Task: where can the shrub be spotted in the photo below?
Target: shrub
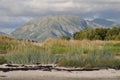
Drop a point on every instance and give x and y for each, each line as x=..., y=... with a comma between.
x=65, y=38
x=2, y=60
x=98, y=34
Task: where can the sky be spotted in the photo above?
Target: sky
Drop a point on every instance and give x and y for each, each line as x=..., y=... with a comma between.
x=15, y=13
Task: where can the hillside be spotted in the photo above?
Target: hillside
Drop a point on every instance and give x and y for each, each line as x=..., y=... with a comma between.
x=1, y=33
x=52, y=27
x=104, y=22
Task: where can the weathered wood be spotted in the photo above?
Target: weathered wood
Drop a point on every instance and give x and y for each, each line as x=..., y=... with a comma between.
x=11, y=67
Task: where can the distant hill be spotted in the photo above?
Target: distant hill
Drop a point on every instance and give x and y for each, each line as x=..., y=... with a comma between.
x=52, y=27
x=2, y=33
x=104, y=22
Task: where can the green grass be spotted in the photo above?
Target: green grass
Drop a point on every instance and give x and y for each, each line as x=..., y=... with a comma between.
x=62, y=52
x=31, y=57
x=2, y=60
x=95, y=58
x=114, y=48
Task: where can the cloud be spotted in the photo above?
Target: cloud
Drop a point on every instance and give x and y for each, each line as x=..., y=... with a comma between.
x=17, y=11
x=8, y=24
x=39, y=7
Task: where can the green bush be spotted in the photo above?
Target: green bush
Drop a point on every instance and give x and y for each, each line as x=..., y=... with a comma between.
x=2, y=60
x=98, y=34
x=65, y=38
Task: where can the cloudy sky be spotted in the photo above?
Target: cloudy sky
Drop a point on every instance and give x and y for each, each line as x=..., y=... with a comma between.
x=14, y=13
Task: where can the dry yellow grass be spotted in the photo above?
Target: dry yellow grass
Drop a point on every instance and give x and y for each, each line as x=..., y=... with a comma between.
x=76, y=43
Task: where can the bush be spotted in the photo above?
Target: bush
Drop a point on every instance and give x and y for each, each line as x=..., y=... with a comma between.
x=65, y=38
x=98, y=34
x=2, y=60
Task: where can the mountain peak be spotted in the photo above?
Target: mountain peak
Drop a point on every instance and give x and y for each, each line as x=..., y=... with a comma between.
x=52, y=27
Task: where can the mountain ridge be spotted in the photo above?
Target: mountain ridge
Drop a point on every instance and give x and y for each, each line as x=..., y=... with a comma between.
x=105, y=22
x=53, y=27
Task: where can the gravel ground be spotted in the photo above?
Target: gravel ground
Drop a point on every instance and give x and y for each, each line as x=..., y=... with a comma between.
x=61, y=75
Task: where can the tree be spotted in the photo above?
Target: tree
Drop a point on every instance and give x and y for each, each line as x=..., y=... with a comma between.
x=98, y=34
x=101, y=32
x=65, y=38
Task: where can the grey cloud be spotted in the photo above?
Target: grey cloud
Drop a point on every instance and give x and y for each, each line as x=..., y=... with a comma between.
x=40, y=7
x=20, y=11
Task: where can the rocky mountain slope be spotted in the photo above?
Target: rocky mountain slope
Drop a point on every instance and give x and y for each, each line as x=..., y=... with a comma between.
x=52, y=27
x=104, y=22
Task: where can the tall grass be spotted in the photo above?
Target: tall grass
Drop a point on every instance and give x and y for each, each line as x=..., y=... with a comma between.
x=64, y=53
x=70, y=53
x=32, y=57
x=2, y=60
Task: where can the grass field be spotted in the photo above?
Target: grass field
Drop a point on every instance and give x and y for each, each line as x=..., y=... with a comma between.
x=70, y=53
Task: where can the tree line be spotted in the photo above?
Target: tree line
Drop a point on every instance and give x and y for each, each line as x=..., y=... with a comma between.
x=112, y=33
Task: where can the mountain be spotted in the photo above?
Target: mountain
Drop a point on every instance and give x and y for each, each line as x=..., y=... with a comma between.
x=52, y=27
x=104, y=22
x=2, y=33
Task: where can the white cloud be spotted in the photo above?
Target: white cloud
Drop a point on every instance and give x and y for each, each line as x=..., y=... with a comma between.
x=23, y=10
x=24, y=7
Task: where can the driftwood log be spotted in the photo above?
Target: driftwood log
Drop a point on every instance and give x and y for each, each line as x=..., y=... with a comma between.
x=11, y=67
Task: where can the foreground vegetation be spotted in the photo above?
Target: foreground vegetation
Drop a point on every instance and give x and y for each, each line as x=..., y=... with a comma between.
x=72, y=53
